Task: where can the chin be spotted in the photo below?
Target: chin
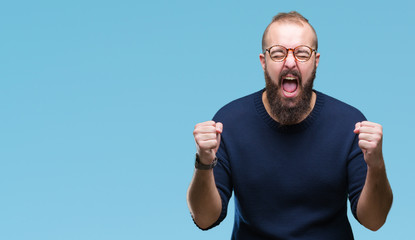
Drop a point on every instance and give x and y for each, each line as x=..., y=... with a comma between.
x=290, y=102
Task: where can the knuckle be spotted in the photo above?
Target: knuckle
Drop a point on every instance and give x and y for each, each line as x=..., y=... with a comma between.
x=210, y=122
x=198, y=125
x=210, y=129
x=381, y=134
x=197, y=132
x=198, y=138
x=206, y=145
x=203, y=147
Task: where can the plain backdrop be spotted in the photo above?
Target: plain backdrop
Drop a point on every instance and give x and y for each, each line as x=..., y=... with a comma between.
x=98, y=101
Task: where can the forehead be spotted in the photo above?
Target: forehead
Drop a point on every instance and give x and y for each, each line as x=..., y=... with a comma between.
x=290, y=34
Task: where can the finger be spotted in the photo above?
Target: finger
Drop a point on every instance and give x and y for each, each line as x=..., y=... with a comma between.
x=209, y=144
x=367, y=129
x=366, y=136
x=370, y=124
x=371, y=130
x=205, y=137
x=204, y=129
x=372, y=138
x=207, y=123
x=365, y=145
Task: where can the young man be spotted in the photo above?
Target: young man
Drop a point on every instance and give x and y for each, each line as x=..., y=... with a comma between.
x=292, y=155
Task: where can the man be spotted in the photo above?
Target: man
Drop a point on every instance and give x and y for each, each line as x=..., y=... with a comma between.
x=292, y=155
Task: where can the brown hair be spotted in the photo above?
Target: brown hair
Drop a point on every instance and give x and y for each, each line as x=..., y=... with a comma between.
x=293, y=17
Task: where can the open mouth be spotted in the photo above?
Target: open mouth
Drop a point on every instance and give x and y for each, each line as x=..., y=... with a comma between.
x=289, y=86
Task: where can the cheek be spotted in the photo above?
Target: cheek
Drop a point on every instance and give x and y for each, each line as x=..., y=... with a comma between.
x=306, y=71
x=273, y=71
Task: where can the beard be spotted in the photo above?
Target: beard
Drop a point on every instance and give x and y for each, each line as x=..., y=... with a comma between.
x=289, y=111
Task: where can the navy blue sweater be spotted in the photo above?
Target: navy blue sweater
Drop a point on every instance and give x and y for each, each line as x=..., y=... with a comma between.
x=290, y=182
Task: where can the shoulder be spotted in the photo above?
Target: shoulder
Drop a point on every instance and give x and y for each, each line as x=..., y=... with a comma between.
x=241, y=107
x=339, y=109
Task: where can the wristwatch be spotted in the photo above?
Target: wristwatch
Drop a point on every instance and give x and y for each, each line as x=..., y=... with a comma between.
x=201, y=166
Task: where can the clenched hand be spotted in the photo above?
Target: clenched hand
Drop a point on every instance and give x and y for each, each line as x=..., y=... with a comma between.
x=370, y=141
x=207, y=137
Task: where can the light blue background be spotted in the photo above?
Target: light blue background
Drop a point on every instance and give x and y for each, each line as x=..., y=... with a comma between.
x=99, y=99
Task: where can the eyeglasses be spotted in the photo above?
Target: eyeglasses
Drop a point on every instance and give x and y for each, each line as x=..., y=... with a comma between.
x=279, y=53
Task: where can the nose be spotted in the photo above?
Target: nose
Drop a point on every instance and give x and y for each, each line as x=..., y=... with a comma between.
x=290, y=61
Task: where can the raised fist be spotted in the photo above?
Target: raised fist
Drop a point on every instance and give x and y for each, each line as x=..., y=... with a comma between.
x=370, y=141
x=207, y=137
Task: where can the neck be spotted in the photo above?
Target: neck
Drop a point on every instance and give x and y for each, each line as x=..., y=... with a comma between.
x=268, y=108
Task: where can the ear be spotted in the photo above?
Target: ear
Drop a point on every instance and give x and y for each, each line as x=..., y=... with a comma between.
x=317, y=59
x=262, y=60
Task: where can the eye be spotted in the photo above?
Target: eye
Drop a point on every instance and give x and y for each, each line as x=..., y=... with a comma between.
x=277, y=53
x=303, y=53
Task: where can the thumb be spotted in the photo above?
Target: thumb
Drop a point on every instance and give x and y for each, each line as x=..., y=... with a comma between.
x=219, y=129
x=357, y=128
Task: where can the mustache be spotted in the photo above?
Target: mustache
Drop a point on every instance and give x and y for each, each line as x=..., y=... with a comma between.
x=295, y=73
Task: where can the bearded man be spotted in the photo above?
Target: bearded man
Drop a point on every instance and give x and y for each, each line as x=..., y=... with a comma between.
x=291, y=155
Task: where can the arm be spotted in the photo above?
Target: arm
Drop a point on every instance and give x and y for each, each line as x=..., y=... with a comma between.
x=376, y=197
x=203, y=197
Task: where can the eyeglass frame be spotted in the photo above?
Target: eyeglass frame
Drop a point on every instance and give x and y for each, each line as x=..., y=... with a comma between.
x=288, y=51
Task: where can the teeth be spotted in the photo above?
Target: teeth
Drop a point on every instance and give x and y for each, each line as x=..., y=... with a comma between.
x=290, y=78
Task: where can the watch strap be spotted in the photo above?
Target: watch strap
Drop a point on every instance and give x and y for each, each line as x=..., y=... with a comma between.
x=201, y=166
